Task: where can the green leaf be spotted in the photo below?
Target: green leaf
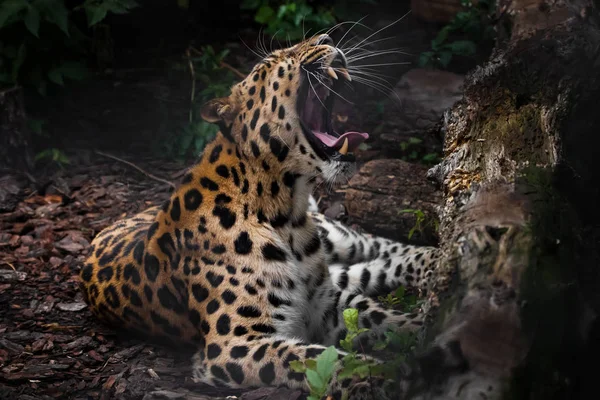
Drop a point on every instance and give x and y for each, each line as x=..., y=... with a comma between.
x=445, y=58
x=463, y=47
x=425, y=58
x=32, y=21
x=35, y=125
x=264, y=14
x=311, y=364
x=282, y=10
x=250, y=4
x=18, y=62
x=314, y=380
x=10, y=8
x=183, y=4
x=380, y=345
x=61, y=158
x=55, y=75
x=96, y=14
x=400, y=292
x=59, y=14
x=351, y=319
x=297, y=366
x=42, y=154
x=326, y=362
x=74, y=70
x=430, y=157
x=440, y=38
x=346, y=344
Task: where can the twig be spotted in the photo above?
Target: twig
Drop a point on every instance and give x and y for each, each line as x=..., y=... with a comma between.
x=193, y=94
x=132, y=165
x=223, y=64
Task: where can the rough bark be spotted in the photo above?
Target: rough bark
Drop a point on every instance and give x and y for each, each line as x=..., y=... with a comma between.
x=516, y=299
x=15, y=151
x=379, y=192
x=14, y=136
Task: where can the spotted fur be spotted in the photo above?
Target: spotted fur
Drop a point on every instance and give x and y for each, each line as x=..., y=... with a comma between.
x=236, y=263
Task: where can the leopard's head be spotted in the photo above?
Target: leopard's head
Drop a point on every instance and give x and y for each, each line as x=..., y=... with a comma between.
x=280, y=115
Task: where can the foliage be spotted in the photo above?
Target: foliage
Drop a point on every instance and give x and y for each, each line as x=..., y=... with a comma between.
x=289, y=19
x=421, y=222
x=399, y=298
x=54, y=155
x=412, y=149
x=295, y=19
x=474, y=23
x=320, y=371
x=41, y=42
x=206, y=68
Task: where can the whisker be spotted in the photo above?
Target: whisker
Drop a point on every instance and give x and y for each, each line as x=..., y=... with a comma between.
x=330, y=89
x=359, y=57
x=385, y=27
x=381, y=89
x=339, y=43
x=351, y=50
x=273, y=37
x=279, y=127
x=381, y=79
x=386, y=64
x=313, y=88
x=249, y=48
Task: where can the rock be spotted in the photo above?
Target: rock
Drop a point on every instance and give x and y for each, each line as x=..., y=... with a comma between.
x=335, y=210
x=379, y=192
x=73, y=242
x=172, y=395
x=9, y=275
x=272, y=393
x=411, y=118
x=425, y=94
x=10, y=192
x=71, y=306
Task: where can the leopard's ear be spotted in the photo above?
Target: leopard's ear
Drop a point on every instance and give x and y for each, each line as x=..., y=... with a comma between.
x=219, y=109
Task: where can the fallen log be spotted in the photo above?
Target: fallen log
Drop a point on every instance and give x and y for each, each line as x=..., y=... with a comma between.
x=512, y=313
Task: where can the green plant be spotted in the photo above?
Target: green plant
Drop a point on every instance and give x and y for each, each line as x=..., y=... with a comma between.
x=205, y=66
x=474, y=23
x=290, y=19
x=54, y=155
x=319, y=371
x=399, y=298
x=414, y=152
x=42, y=43
x=421, y=222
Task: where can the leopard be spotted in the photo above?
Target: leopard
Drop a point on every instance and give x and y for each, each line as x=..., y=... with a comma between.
x=239, y=263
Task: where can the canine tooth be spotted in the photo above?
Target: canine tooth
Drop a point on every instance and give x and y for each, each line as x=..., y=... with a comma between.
x=344, y=148
x=345, y=74
x=332, y=73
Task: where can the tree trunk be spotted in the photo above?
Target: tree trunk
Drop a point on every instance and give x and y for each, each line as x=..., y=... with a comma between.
x=517, y=297
x=15, y=151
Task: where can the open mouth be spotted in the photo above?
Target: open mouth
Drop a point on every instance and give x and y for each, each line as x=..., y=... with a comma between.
x=315, y=104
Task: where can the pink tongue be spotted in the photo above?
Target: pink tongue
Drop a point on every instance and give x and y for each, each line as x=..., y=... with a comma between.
x=354, y=139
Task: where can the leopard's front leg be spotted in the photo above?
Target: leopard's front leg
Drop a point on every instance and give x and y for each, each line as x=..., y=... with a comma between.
x=266, y=361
